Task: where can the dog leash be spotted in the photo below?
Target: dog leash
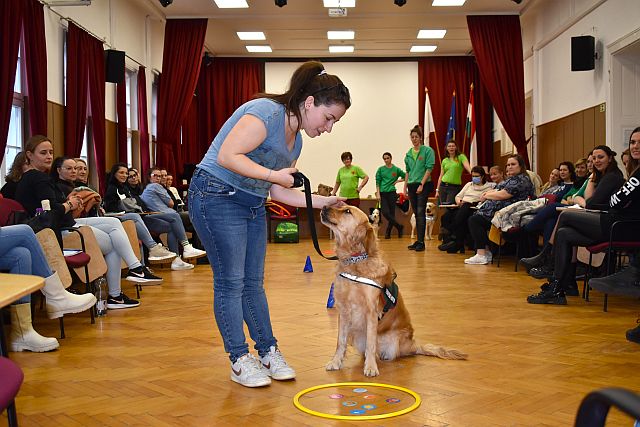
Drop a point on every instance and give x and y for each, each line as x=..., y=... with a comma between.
x=299, y=180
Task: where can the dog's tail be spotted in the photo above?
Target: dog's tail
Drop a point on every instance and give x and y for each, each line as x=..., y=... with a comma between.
x=441, y=352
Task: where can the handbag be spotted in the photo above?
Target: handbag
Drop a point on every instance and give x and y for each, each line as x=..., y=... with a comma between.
x=130, y=204
x=46, y=219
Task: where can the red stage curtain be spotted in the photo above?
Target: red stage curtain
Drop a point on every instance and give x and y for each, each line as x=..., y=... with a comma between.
x=183, y=43
x=35, y=53
x=189, y=132
x=121, y=111
x=497, y=45
x=9, y=43
x=143, y=124
x=84, y=53
x=223, y=85
x=443, y=75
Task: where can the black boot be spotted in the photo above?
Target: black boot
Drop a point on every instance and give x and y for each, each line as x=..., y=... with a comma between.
x=633, y=335
x=624, y=282
x=552, y=294
x=446, y=245
x=400, y=230
x=457, y=247
x=412, y=247
x=419, y=247
x=538, y=260
x=387, y=233
x=544, y=271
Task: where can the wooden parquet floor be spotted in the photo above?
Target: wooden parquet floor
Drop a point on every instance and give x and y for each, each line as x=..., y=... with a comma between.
x=163, y=364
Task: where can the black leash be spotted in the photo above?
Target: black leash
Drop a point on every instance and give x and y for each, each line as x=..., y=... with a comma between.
x=300, y=180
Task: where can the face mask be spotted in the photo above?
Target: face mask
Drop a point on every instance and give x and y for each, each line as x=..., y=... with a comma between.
x=476, y=179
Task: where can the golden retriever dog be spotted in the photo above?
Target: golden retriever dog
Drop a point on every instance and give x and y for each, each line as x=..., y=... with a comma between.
x=363, y=321
x=431, y=217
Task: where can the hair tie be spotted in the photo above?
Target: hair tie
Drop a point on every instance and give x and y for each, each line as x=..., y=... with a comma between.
x=322, y=72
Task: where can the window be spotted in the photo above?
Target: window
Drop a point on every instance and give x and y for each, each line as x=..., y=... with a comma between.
x=132, y=111
x=15, y=136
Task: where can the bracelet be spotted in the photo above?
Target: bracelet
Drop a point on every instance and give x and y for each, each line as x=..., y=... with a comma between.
x=268, y=175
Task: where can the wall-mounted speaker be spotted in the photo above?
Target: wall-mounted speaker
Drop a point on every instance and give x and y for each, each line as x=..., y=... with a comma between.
x=583, y=53
x=114, y=65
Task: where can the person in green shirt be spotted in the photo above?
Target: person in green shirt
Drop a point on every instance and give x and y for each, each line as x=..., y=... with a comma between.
x=419, y=162
x=450, y=180
x=348, y=180
x=386, y=178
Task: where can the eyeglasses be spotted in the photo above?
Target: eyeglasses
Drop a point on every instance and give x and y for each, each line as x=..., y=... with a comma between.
x=133, y=176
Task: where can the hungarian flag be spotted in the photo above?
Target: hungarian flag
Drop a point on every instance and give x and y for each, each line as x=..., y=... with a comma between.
x=429, y=125
x=451, y=129
x=470, y=131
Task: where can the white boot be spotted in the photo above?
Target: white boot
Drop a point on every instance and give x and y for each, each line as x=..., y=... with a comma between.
x=61, y=302
x=23, y=336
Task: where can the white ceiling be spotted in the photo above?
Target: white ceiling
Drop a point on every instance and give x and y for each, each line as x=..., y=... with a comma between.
x=299, y=29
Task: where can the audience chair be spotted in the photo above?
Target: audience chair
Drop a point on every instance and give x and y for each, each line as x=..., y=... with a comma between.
x=613, y=250
x=12, y=377
x=9, y=211
x=279, y=212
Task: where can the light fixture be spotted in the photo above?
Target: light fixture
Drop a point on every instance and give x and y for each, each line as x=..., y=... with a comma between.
x=341, y=49
x=448, y=2
x=431, y=34
x=280, y=3
x=416, y=49
x=251, y=35
x=231, y=4
x=399, y=3
x=69, y=3
x=259, y=49
x=339, y=3
x=341, y=35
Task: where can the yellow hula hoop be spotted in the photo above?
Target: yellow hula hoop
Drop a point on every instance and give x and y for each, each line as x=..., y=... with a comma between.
x=296, y=402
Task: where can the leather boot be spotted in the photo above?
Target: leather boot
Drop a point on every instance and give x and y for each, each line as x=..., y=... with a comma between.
x=538, y=260
x=387, y=233
x=23, y=336
x=61, y=302
x=552, y=294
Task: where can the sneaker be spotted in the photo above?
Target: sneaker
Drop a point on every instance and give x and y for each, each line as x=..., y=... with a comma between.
x=412, y=247
x=160, y=253
x=624, y=282
x=477, y=260
x=248, y=372
x=191, y=252
x=179, y=264
x=143, y=275
x=275, y=365
x=419, y=247
x=121, y=301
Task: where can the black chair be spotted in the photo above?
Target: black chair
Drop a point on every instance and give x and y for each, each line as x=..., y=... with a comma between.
x=595, y=406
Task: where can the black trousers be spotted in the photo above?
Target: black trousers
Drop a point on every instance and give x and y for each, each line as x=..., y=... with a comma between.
x=574, y=228
x=447, y=193
x=419, y=206
x=479, y=228
x=455, y=220
x=388, y=208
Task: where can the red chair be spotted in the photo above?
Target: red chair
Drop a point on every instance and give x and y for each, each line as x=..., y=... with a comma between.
x=613, y=248
x=12, y=377
x=279, y=212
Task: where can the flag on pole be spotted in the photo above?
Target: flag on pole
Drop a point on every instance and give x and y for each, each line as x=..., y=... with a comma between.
x=451, y=129
x=429, y=125
x=470, y=131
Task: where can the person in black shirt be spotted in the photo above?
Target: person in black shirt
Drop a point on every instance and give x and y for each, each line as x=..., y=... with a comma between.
x=18, y=167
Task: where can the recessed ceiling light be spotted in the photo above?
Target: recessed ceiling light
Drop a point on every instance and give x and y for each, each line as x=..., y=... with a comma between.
x=423, y=48
x=341, y=35
x=339, y=3
x=448, y=2
x=259, y=49
x=431, y=34
x=231, y=4
x=251, y=35
x=341, y=49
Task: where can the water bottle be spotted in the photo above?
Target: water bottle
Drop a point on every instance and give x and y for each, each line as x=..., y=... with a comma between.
x=100, y=285
x=46, y=205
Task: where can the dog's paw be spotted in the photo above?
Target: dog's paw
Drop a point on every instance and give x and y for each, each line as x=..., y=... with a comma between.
x=371, y=370
x=333, y=365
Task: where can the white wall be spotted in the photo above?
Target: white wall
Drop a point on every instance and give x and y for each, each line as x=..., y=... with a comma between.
x=384, y=108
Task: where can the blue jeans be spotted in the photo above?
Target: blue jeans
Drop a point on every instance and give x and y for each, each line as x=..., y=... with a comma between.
x=232, y=227
x=141, y=229
x=169, y=223
x=21, y=253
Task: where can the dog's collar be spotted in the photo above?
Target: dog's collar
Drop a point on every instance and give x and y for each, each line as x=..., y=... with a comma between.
x=354, y=258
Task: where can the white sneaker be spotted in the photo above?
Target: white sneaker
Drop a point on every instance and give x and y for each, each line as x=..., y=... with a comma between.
x=248, y=372
x=489, y=256
x=179, y=264
x=275, y=365
x=160, y=253
x=477, y=260
x=191, y=252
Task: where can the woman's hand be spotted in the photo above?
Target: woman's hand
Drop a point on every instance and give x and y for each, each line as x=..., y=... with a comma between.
x=334, y=201
x=282, y=177
x=419, y=190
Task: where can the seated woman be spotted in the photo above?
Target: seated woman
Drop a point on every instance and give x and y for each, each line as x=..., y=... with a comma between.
x=36, y=186
x=18, y=167
x=20, y=253
x=133, y=183
x=515, y=188
x=496, y=173
x=178, y=203
x=552, y=184
x=455, y=220
x=607, y=191
x=114, y=201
